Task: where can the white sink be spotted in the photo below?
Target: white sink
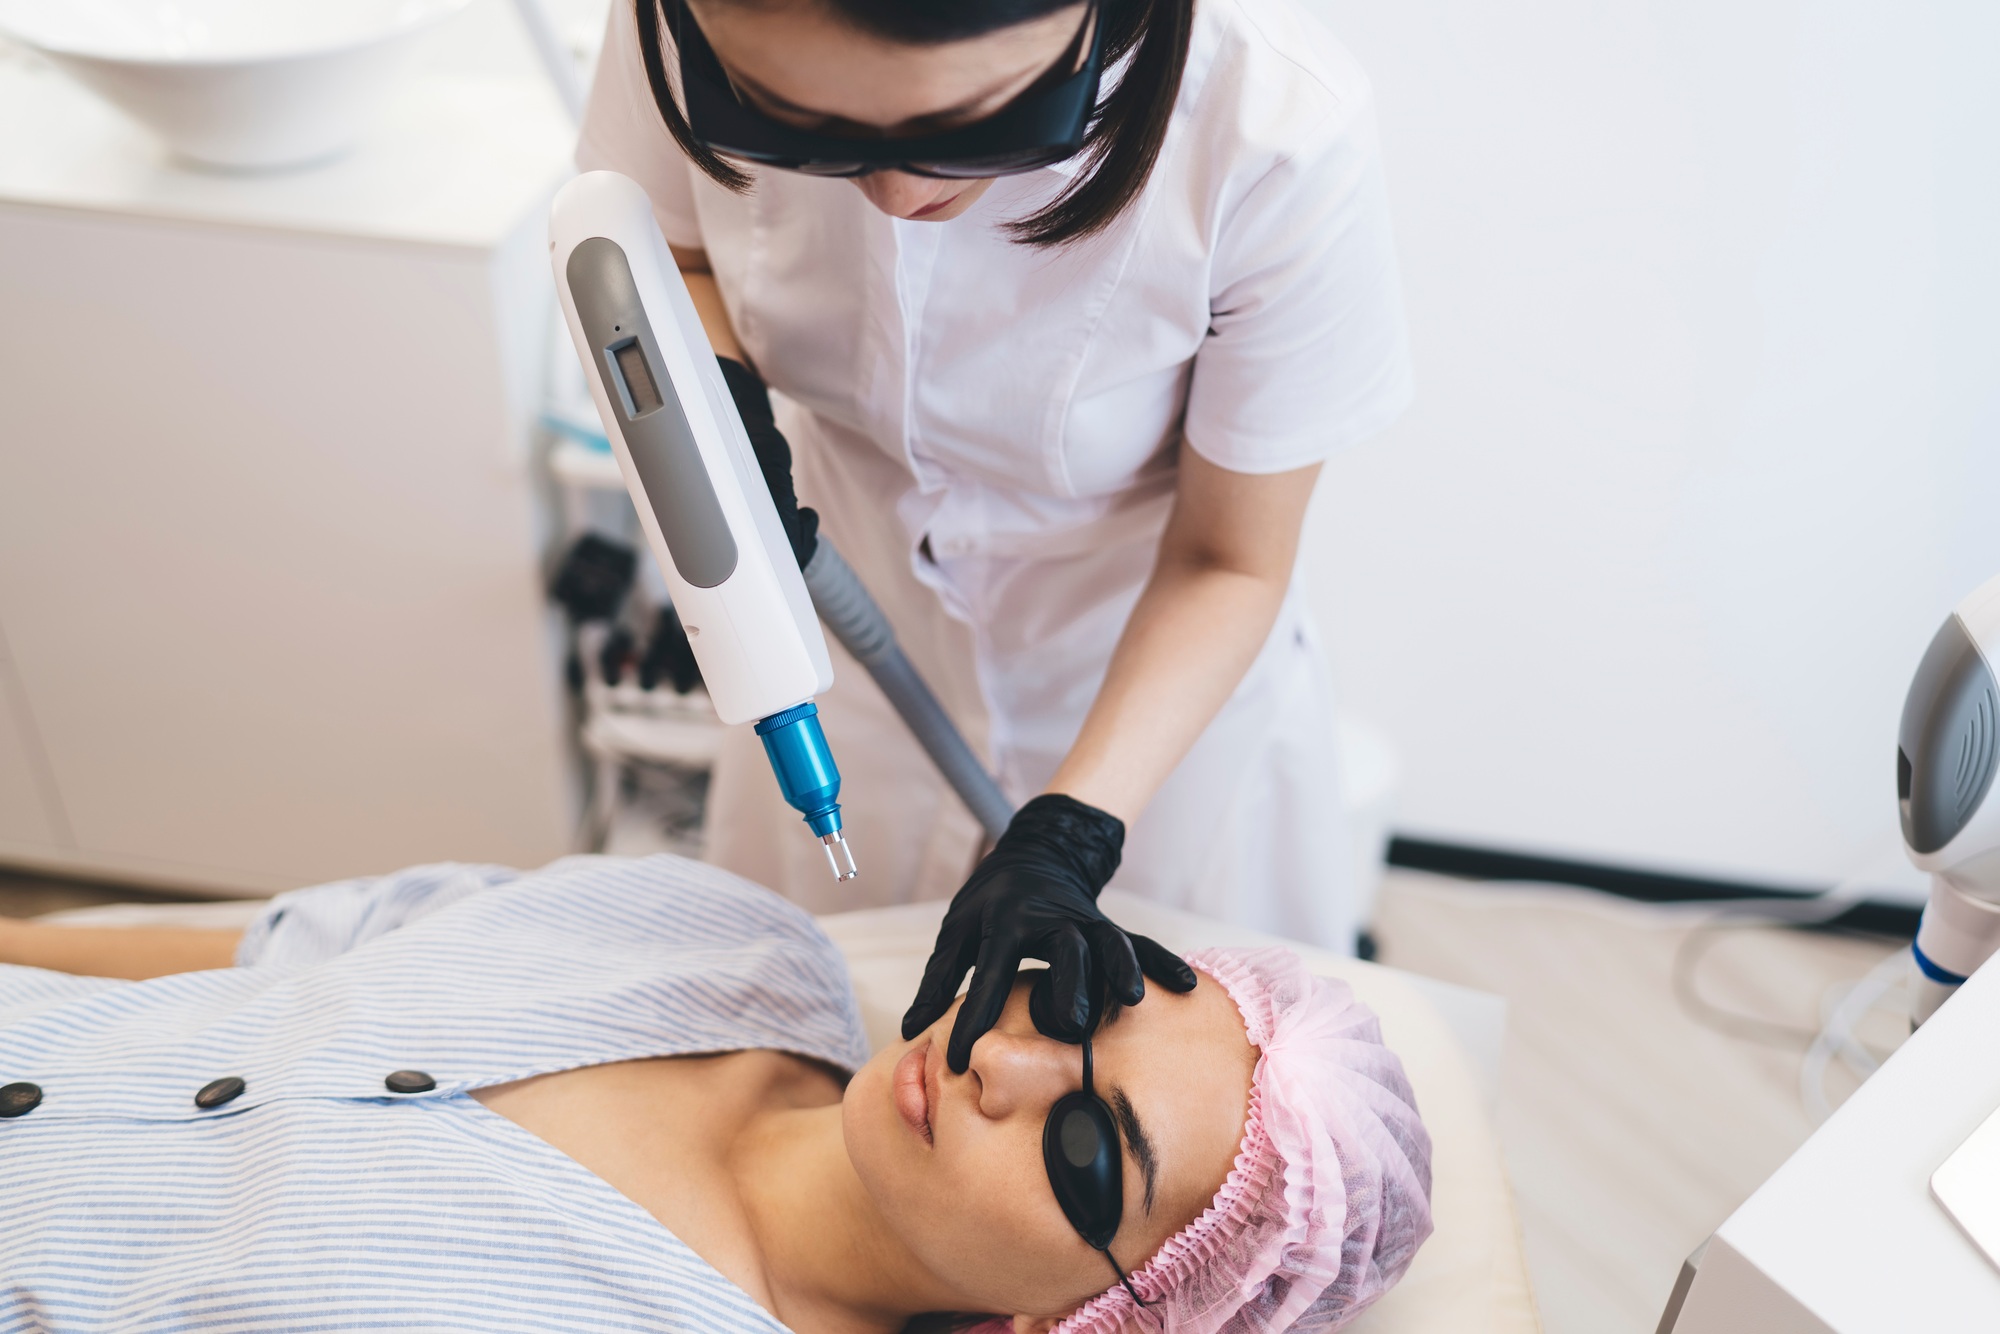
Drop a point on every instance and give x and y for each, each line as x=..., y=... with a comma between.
x=243, y=84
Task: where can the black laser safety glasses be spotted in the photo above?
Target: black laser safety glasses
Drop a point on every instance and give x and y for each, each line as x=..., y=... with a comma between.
x=1044, y=125
x=1086, y=1167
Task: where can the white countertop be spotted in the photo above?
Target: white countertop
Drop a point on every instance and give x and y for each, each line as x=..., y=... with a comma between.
x=453, y=160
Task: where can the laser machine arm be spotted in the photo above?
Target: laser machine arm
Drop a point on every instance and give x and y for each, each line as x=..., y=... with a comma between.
x=1947, y=753
x=694, y=480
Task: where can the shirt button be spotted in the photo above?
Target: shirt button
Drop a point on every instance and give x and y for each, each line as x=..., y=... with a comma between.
x=19, y=1099
x=215, y=1093
x=410, y=1081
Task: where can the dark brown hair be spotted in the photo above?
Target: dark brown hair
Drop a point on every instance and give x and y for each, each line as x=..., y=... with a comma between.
x=1125, y=133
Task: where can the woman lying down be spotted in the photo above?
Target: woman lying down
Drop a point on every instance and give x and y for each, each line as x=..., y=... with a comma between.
x=635, y=1095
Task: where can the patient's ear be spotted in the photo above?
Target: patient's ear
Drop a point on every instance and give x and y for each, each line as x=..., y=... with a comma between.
x=1030, y=1324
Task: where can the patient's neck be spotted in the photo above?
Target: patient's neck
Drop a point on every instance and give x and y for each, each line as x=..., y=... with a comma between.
x=832, y=1263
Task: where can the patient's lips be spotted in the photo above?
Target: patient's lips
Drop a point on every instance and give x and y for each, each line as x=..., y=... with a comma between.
x=912, y=1091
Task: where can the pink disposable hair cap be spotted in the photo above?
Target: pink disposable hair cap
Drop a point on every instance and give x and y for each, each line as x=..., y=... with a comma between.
x=1329, y=1196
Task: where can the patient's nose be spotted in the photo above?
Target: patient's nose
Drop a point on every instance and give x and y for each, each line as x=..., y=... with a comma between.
x=1023, y=1072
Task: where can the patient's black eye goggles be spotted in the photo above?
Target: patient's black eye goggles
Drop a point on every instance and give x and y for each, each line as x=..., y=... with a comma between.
x=1043, y=125
x=1086, y=1166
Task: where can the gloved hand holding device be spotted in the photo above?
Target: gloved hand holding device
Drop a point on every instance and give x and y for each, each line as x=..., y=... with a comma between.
x=774, y=455
x=1035, y=896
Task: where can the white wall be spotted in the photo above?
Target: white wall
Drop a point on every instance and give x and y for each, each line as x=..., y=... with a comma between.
x=1705, y=298
x=487, y=37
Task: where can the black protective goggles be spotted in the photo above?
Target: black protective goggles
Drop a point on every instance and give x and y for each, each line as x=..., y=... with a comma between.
x=1086, y=1166
x=1044, y=125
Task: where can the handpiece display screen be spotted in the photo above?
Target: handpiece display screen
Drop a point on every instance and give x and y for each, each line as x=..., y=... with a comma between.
x=635, y=377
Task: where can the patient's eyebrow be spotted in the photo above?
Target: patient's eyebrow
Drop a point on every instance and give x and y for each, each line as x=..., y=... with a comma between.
x=1135, y=1135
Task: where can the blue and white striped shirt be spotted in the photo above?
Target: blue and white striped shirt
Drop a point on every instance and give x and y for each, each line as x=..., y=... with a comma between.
x=318, y=1199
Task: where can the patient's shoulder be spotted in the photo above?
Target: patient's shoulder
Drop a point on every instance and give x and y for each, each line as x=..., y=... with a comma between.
x=693, y=900
x=724, y=963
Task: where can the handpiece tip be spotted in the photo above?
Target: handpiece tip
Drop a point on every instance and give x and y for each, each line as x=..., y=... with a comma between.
x=839, y=855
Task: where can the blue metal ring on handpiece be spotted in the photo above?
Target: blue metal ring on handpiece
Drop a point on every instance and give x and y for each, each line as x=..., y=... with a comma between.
x=806, y=773
x=1936, y=972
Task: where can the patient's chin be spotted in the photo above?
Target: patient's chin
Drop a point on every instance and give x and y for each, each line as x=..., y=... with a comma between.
x=870, y=1127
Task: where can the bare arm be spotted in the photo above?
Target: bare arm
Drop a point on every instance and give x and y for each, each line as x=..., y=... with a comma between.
x=1225, y=562
x=707, y=296
x=132, y=952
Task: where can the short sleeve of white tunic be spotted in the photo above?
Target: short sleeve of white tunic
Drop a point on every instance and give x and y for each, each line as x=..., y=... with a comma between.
x=1264, y=260
x=1307, y=350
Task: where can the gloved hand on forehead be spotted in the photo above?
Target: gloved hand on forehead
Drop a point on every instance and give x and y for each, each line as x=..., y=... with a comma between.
x=1035, y=897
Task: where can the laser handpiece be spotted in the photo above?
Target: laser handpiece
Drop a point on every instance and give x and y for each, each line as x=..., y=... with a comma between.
x=1947, y=763
x=694, y=481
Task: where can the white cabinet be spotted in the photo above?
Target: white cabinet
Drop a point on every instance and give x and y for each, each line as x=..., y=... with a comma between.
x=1846, y=1238
x=271, y=543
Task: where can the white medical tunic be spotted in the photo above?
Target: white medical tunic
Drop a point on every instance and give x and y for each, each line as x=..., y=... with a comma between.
x=990, y=434
x=319, y=1197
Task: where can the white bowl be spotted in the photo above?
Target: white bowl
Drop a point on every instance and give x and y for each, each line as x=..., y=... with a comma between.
x=243, y=84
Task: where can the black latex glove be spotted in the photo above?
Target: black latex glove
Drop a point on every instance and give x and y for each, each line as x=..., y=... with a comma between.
x=1035, y=896
x=774, y=456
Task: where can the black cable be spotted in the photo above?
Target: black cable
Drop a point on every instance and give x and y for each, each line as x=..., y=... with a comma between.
x=1105, y=1251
